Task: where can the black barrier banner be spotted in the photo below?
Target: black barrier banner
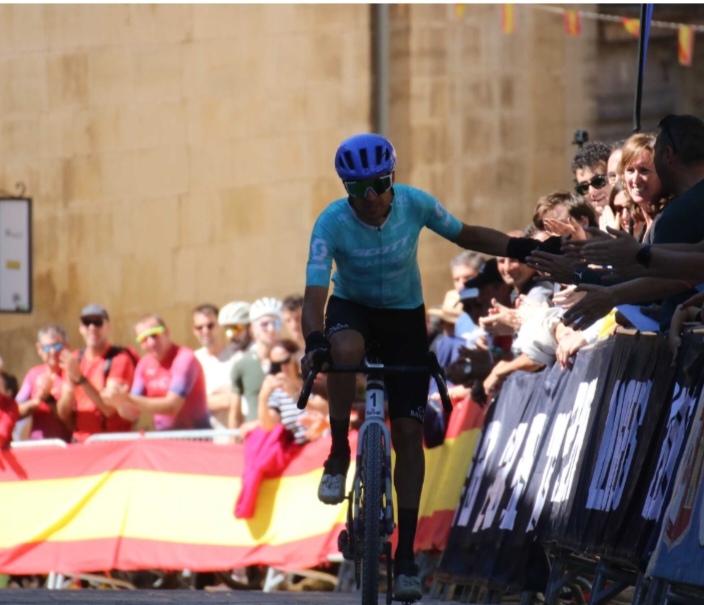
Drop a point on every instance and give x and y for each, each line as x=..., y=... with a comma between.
x=471, y=548
x=605, y=517
x=679, y=555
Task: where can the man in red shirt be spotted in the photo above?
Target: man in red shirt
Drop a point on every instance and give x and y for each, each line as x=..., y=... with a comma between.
x=94, y=372
x=42, y=390
x=168, y=383
x=9, y=411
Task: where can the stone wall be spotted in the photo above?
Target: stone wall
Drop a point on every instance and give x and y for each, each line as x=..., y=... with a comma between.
x=178, y=154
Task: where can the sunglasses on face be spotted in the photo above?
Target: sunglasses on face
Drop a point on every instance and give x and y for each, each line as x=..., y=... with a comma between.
x=209, y=325
x=378, y=184
x=95, y=321
x=270, y=323
x=598, y=181
x=150, y=333
x=57, y=346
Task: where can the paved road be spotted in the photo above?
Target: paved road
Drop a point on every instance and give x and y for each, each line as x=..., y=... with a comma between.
x=182, y=597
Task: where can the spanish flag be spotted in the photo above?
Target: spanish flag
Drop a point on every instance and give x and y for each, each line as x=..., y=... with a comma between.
x=163, y=504
x=685, y=44
x=508, y=25
x=573, y=23
x=632, y=26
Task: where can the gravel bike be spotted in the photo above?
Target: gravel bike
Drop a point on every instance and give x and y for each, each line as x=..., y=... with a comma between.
x=370, y=511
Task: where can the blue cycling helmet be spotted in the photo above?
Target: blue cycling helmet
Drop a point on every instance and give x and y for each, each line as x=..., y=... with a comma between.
x=363, y=156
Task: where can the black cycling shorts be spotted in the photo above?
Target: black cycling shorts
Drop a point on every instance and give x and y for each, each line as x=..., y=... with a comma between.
x=402, y=335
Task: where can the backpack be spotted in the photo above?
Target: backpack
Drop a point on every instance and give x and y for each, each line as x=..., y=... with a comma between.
x=110, y=355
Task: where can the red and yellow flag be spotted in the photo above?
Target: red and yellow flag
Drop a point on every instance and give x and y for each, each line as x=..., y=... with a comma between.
x=632, y=26
x=508, y=25
x=157, y=504
x=573, y=23
x=685, y=44
x=460, y=9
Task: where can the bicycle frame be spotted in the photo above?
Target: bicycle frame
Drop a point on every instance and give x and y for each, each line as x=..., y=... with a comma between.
x=367, y=531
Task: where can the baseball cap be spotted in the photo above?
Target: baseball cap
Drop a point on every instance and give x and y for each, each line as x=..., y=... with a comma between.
x=488, y=274
x=94, y=311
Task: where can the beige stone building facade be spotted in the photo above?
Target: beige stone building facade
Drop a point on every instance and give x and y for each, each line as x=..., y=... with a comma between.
x=178, y=154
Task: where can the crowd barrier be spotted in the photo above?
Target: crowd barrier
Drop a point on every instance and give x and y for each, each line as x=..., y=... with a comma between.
x=599, y=463
x=157, y=501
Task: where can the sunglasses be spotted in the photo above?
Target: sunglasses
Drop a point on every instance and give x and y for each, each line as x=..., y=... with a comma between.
x=151, y=332
x=209, y=325
x=597, y=181
x=55, y=347
x=94, y=321
x=270, y=323
x=378, y=184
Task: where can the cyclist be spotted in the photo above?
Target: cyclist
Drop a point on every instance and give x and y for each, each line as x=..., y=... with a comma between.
x=372, y=235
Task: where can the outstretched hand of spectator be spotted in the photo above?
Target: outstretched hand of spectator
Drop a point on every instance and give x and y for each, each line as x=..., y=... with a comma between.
x=567, y=297
x=569, y=228
x=570, y=342
x=501, y=320
x=695, y=301
x=598, y=301
x=557, y=267
x=616, y=248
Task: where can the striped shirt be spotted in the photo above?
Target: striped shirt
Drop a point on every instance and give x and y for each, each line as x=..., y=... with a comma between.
x=281, y=402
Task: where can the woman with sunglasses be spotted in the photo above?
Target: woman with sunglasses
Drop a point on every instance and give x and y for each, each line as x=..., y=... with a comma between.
x=279, y=395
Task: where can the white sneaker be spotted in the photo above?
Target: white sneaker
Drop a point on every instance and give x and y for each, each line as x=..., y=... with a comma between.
x=407, y=588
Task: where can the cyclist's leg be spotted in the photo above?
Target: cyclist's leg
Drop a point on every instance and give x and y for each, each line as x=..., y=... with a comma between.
x=405, y=342
x=344, y=324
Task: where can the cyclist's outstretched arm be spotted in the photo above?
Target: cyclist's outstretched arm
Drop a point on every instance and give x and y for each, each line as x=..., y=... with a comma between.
x=496, y=243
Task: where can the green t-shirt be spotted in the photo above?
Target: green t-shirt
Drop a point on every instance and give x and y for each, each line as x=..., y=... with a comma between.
x=247, y=377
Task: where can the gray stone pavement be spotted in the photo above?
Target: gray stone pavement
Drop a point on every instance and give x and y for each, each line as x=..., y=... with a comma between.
x=183, y=597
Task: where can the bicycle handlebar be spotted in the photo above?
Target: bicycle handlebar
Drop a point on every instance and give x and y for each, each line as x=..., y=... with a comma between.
x=433, y=367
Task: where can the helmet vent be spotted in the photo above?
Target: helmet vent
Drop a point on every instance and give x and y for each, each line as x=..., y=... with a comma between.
x=350, y=161
x=364, y=158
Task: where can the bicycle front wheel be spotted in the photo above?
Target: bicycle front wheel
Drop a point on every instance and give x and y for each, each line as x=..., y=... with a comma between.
x=373, y=464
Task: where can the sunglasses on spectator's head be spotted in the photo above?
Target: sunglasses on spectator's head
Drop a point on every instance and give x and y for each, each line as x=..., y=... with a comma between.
x=150, y=332
x=378, y=184
x=597, y=181
x=95, y=321
x=57, y=346
x=209, y=325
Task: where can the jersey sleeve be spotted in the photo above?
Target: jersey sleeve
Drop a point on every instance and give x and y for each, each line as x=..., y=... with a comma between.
x=437, y=218
x=122, y=368
x=138, y=385
x=320, y=256
x=184, y=373
x=25, y=392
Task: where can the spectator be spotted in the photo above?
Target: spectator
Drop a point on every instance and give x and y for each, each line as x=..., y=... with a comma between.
x=43, y=387
x=248, y=373
x=217, y=356
x=679, y=161
x=464, y=266
x=589, y=166
x=168, y=383
x=642, y=183
x=234, y=319
x=447, y=344
x=292, y=307
x=613, y=162
x=279, y=393
x=562, y=213
x=94, y=372
x=9, y=412
x=630, y=217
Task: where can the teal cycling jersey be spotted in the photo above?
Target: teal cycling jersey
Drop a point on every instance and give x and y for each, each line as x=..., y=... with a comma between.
x=377, y=266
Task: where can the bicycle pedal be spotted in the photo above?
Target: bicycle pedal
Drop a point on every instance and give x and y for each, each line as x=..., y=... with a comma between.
x=344, y=545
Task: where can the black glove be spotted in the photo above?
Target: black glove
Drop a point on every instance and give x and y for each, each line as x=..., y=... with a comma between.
x=319, y=346
x=521, y=247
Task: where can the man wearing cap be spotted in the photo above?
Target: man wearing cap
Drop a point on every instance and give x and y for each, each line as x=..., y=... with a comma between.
x=93, y=373
x=248, y=372
x=168, y=383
